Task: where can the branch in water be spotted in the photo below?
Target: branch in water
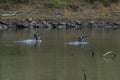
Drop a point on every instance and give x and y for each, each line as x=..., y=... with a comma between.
x=84, y=73
x=110, y=52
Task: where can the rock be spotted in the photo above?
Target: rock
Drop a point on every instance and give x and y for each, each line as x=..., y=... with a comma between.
x=78, y=27
x=58, y=13
x=115, y=27
x=108, y=27
x=20, y=25
x=117, y=23
x=61, y=27
x=34, y=24
x=4, y=27
x=28, y=19
x=0, y=27
x=77, y=22
x=63, y=24
x=47, y=25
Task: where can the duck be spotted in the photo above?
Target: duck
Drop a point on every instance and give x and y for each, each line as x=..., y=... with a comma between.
x=80, y=41
x=31, y=41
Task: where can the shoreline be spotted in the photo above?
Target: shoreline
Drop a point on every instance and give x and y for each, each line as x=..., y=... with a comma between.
x=66, y=18
x=60, y=24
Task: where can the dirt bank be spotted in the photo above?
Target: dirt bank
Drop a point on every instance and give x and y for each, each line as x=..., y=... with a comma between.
x=70, y=11
x=94, y=16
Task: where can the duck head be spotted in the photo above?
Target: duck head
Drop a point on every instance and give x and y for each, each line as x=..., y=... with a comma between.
x=81, y=38
x=37, y=36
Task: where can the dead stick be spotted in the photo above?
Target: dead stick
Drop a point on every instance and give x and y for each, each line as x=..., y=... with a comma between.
x=84, y=73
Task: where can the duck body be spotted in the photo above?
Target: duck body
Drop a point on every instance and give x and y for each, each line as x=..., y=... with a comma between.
x=29, y=41
x=77, y=43
x=80, y=41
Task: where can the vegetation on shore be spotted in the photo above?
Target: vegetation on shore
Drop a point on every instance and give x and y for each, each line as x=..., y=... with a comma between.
x=72, y=9
x=56, y=2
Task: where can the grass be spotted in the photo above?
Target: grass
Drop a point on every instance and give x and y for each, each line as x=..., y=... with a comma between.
x=83, y=11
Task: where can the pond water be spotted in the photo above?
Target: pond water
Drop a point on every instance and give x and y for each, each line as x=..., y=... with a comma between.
x=53, y=59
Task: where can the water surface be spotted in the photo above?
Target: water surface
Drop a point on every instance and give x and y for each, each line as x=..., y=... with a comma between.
x=53, y=59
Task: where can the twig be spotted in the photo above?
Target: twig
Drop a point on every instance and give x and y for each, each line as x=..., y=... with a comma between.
x=17, y=12
x=10, y=14
x=110, y=52
x=84, y=73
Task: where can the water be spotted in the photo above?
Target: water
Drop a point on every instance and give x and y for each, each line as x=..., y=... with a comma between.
x=53, y=59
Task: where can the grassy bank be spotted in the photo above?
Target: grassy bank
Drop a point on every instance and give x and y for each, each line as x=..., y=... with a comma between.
x=58, y=2
x=58, y=9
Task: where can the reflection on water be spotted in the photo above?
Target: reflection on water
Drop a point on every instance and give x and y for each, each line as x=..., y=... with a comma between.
x=53, y=59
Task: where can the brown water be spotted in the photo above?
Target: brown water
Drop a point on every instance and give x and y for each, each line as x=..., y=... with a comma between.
x=52, y=59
